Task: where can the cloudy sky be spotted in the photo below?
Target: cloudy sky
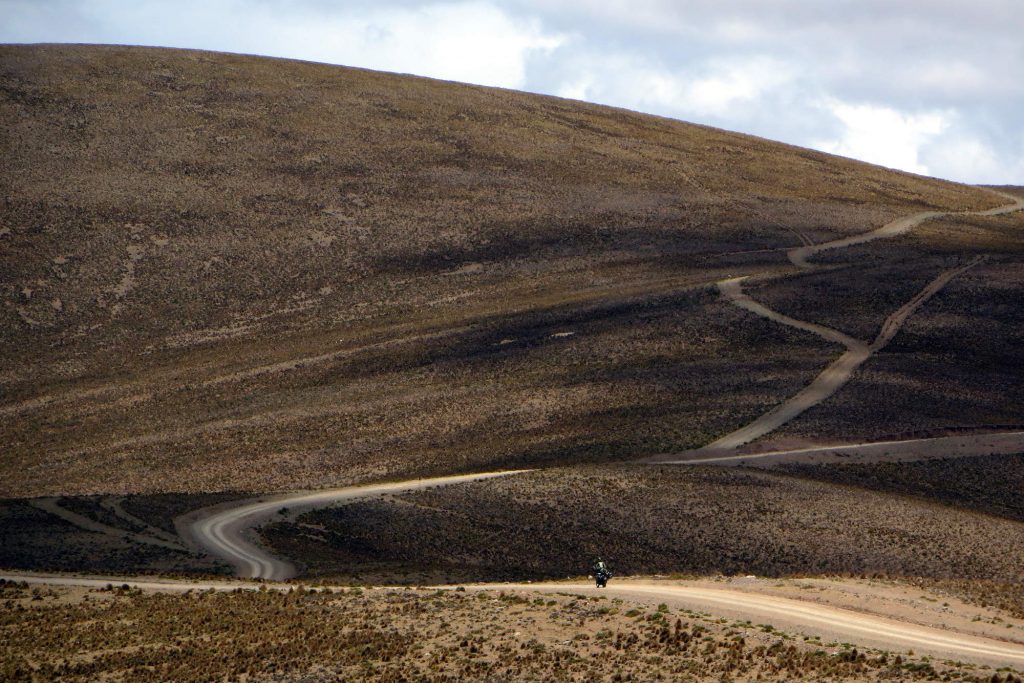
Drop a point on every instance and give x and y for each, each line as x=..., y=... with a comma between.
x=929, y=86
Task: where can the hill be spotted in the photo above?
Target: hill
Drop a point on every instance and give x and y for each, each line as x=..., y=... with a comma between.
x=230, y=273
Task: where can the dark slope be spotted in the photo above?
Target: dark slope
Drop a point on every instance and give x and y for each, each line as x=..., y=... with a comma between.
x=224, y=272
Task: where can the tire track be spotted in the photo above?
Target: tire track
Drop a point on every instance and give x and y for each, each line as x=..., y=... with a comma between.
x=51, y=506
x=973, y=445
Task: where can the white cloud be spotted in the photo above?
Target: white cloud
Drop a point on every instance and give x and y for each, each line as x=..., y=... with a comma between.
x=964, y=156
x=882, y=135
x=907, y=84
x=718, y=88
x=737, y=83
x=473, y=41
x=470, y=42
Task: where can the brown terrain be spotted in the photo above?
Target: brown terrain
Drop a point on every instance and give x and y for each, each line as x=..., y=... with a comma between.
x=224, y=272
x=664, y=519
x=354, y=634
x=225, y=277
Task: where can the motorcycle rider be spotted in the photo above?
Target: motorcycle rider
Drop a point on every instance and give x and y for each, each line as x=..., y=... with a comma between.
x=601, y=572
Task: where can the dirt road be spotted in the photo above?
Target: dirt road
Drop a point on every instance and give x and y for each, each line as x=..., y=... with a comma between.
x=799, y=616
x=225, y=531
x=833, y=377
x=1000, y=443
x=799, y=256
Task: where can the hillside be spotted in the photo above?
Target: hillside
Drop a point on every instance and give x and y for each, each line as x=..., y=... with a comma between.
x=229, y=273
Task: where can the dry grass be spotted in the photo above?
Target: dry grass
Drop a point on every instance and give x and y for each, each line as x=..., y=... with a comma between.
x=654, y=520
x=268, y=274
x=955, y=364
x=409, y=636
x=991, y=485
x=604, y=382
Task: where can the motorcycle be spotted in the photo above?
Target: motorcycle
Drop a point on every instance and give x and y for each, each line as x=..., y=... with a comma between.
x=601, y=576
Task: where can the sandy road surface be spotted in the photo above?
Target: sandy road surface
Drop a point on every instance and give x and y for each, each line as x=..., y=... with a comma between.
x=222, y=530
x=829, y=622
x=790, y=615
x=798, y=257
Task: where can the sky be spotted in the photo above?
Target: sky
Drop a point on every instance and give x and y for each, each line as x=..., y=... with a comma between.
x=929, y=86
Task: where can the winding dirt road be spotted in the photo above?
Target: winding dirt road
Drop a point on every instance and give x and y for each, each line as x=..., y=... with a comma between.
x=224, y=531
x=799, y=256
x=833, y=377
x=227, y=531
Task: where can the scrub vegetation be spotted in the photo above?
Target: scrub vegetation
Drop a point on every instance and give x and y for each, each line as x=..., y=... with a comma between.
x=225, y=276
x=222, y=273
x=388, y=636
x=659, y=520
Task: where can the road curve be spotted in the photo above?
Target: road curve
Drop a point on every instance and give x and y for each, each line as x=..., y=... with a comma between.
x=732, y=290
x=800, y=255
x=786, y=614
x=838, y=372
x=222, y=530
